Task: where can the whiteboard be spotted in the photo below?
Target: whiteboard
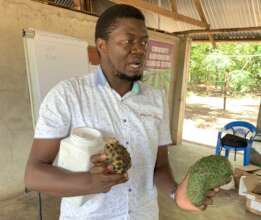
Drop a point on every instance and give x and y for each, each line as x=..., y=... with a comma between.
x=51, y=58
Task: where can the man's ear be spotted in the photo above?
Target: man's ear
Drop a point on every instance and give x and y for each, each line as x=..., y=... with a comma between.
x=101, y=45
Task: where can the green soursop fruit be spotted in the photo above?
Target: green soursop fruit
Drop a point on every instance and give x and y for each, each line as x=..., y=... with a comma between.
x=117, y=156
x=206, y=174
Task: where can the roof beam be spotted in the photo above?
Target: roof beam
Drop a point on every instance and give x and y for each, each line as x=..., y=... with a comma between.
x=201, y=13
x=212, y=40
x=147, y=6
x=174, y=6
x=202, y=16
x=161, y=11
x=189, y=20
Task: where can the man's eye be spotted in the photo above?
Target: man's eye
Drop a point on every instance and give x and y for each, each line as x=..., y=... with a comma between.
x=144, y=42
x=129, y=41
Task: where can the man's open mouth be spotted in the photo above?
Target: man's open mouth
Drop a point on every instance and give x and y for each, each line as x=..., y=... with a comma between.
x=136, y=65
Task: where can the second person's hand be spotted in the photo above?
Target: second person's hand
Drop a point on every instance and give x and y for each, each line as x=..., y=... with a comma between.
x=183, y=201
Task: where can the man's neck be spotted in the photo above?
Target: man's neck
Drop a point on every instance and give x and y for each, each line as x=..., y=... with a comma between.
x=121, y=86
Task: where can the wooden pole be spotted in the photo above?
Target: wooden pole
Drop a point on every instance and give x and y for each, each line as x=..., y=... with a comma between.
x=225, y=91
x=89, y=5
x=180, y=89
x=77, y=4
x=258, y=124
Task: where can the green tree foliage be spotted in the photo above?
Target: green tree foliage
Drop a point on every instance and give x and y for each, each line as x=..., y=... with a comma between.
x=240, y=80
x=159, y=79
x=241, y=61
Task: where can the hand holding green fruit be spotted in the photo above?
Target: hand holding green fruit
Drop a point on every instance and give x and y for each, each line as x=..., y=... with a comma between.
x=204, y=177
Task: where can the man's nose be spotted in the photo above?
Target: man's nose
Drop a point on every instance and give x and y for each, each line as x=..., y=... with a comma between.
x=139, y=48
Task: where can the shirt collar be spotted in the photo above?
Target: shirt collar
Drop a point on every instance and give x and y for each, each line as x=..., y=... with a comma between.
x=100, y=78
x=102, y=81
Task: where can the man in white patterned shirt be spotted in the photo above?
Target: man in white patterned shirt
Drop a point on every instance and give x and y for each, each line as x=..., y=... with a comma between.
x=114, y=101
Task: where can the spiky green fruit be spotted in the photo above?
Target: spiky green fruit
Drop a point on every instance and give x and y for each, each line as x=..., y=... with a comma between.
x=117, y=156
x=206, y=174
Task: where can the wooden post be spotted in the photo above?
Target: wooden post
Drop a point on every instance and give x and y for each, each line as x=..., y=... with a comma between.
x=217, y=77
x=208, y=82
x=77, y=4
x=89, y=5
x=80, y=5
x=179, y=89
x=258, y=123
x=225, y=91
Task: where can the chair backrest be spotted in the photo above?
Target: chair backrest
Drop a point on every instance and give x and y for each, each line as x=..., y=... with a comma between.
x=241, y=128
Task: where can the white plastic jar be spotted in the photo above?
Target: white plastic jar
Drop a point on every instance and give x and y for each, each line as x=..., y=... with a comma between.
x=75, y=153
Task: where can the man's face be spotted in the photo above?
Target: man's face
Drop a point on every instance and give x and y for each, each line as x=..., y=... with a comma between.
x=126, y=49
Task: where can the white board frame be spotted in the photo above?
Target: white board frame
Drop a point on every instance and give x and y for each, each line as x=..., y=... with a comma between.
x=30, y=38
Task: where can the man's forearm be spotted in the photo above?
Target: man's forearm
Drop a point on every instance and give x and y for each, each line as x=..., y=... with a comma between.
x=56, y=182
x=164, y=179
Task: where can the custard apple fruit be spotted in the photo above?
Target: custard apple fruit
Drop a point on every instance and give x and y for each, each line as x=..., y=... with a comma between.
x=117, y=156
x=207, y=173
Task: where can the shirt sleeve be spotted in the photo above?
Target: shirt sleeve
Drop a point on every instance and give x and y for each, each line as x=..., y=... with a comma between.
x=54, y=115
x=164, y=128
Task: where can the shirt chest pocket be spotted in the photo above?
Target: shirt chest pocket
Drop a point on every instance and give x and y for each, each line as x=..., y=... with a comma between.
x=151, y=124
x=151, y=121
x=149, y=134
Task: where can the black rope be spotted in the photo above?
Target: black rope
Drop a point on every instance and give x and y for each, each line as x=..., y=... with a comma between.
x=40, y=209
x=40, y=206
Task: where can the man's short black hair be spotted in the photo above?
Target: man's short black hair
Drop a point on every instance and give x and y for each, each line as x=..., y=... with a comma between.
x=108, y=18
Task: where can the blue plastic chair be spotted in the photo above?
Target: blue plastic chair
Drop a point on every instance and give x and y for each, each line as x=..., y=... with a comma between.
x=238, y=128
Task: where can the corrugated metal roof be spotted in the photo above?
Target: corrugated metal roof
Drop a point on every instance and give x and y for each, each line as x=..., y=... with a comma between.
x=168, y=24
x=232, y=13
x=220, y=14
x=65, y=3
x=230, y=36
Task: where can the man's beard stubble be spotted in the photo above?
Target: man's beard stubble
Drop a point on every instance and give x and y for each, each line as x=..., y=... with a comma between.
x=124, y=76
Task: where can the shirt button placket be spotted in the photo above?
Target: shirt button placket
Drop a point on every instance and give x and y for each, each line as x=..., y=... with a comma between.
x=124, y=123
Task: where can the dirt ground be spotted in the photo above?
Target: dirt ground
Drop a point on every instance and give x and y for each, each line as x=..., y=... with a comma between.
x=204, y=116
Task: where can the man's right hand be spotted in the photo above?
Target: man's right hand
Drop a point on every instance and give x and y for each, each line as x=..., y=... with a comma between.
x=42, y=176
x=101, y=175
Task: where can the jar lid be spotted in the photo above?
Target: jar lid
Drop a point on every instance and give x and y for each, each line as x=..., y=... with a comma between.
x=85, y=135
